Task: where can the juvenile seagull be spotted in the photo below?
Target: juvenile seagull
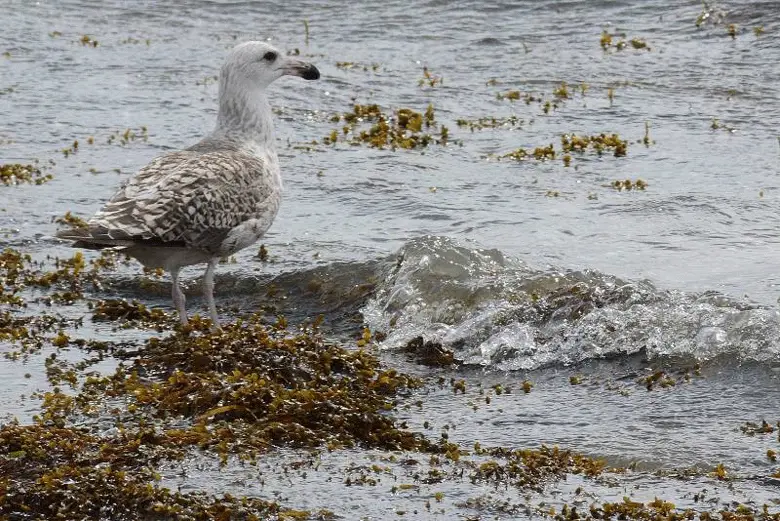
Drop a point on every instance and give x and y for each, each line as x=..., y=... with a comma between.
x=212, y=199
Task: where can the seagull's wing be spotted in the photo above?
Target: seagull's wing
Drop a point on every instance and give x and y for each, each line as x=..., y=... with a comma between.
x=187, y=198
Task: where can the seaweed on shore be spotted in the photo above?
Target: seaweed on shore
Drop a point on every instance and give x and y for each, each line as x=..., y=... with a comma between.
x=657, y=510
x=52, y=282
x=250, y=387
x=66, y=473
x=131, y=314
x=241, y=391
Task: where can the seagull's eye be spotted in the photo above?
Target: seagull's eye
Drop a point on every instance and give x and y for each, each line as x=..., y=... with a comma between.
x=270, y=56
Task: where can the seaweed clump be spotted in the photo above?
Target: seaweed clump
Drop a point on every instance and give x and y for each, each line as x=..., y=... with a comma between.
x=69, y=277
x=751, y=428
x=240, y=391
x=71, y=220
x=571, y=143
x=88, y=41
x=658, y=510
x=538, y=153
x=560, y=94
x=57, y=473
x=128, y=135
x=249, y=387
x=619, y=42
x=403, y=129
x=598, y=143
x=516, y=95
x=357, y=65
x=21, y=278
x=511, y=122
x=130, y=313
x=429, y=79
x=628, y=184
x=530, y=468
x=15, y=173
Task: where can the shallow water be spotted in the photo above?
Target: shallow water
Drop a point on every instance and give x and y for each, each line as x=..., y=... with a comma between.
x=683, y=272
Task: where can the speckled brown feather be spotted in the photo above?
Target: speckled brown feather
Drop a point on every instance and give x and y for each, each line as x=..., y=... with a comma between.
x=192, y=197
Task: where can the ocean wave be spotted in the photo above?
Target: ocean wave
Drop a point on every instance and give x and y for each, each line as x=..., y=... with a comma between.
x=498, y=312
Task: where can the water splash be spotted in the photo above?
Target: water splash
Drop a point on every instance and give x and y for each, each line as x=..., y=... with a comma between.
x=498, y=312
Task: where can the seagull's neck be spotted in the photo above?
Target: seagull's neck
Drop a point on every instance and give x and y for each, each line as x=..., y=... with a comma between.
x=245, y=116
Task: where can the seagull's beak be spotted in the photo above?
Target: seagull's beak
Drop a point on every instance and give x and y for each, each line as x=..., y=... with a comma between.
x=305, y=70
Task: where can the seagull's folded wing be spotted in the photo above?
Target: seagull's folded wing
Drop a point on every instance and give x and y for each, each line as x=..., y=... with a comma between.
x=188, y=198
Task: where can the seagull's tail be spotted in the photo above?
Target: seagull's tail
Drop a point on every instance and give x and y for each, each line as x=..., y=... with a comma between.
x=84, y=238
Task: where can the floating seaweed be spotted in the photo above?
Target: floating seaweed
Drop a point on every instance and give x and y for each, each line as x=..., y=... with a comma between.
x=518, y=154
x=515, y=95
x=88, y=41
x=562, y=91
x=627, y=184
x=403, y=129
x=374, y=67
x=124, y=137
x=16, y=173
x=511, y=95
x=71, y=220
x=511, y=122
x=619, y=42
x=571, y=143
x=646, y=140
x=539, y=153
x=528, y=469
x=429, y=79
x=751, y=429
x=598, y=142
x=716, y=124
x=71, y=149
x=606, y=40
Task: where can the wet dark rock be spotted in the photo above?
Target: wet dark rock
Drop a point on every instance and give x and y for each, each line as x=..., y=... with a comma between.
x=429, y=353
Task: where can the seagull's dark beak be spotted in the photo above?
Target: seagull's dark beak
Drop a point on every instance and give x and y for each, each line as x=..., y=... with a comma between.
x=305, y=70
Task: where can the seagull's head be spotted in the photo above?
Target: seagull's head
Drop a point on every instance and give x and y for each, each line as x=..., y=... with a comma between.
x=258, y=64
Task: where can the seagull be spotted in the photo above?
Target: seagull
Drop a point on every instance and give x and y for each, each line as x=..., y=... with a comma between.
x=212, y=199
